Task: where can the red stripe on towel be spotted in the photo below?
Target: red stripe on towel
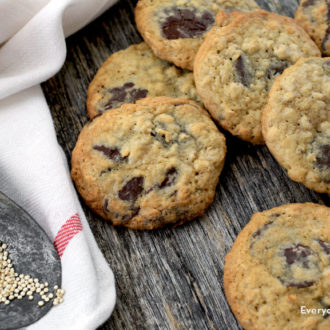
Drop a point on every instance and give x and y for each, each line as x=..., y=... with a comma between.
x=66, y=233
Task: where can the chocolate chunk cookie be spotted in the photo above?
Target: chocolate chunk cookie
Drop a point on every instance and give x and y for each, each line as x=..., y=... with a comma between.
x=279, y=267
x=237, y=64
x=149, y=164
x=296, y=122
x=175, y=29
x=314, y=17
x=134, y=73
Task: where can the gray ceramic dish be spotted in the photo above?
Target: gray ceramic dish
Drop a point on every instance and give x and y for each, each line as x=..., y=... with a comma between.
x=32, y=253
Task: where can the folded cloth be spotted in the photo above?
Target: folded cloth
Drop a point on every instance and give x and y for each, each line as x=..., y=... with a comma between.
x=33, y=168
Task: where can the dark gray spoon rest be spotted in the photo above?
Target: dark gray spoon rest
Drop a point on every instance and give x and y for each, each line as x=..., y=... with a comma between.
x=32, y=253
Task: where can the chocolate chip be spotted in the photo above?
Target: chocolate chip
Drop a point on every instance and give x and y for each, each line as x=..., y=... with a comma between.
x=124, y=94
x=262, y=230
x=170, y=178
x=297, y=253
x=276, y=69
x=309, y=3
x=323, y=157
x=242, y=73
x=325, y=246
x=132, y=189
x=111, y=153
x=185, y=23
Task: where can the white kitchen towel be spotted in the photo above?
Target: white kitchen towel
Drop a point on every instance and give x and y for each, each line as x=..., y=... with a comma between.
x=33, y=168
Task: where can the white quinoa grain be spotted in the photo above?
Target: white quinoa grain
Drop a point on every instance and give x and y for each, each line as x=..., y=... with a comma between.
x=17, y=286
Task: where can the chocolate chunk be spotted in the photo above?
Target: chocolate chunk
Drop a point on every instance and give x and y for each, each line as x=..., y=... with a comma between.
x=275, y=215
x=325, y=246
x=137, y=94
x=262, y=230
x=185, y=23
x=242, y=73
x=128, y=85
x=105, y=205
x=111, y=153
x=327, y=32
x=149, y=190
x=297, y=253
x=127, y=217
x=174, y=193
x=170, y=178
x=323, y=157
x=108, y=170
x=326, y=38
x=124, y=94
x=135, y=211
x=276, y=69
x=157, y=221
x=301, y=285
x=132, y=189
x=309, y=3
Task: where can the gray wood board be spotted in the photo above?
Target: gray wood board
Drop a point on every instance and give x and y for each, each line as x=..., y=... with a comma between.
x=170, y=278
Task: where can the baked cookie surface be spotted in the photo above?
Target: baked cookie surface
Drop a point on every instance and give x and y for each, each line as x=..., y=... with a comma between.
x=279, y=267
x=296, y=122
x=236, y=65
x=175, y=29
x=149, y=164
x=314, y=17
x=135, y=73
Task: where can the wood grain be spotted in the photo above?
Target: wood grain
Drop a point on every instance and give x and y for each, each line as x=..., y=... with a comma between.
x=172, y=278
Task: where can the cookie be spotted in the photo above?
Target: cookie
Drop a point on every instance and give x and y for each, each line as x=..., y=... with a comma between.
x=314, y=17
x=150, y=164
x=175, y=29
x=296, y=122
x=135, y=73
x=236, y=65
x=278, y=270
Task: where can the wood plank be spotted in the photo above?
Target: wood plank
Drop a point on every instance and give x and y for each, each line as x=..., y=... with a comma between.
x=172, y=278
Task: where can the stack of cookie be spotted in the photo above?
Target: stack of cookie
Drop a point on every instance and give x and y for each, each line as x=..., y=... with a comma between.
x=151, y=156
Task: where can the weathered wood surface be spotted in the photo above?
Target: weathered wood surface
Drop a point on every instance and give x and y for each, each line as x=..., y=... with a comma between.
x=172, y=278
